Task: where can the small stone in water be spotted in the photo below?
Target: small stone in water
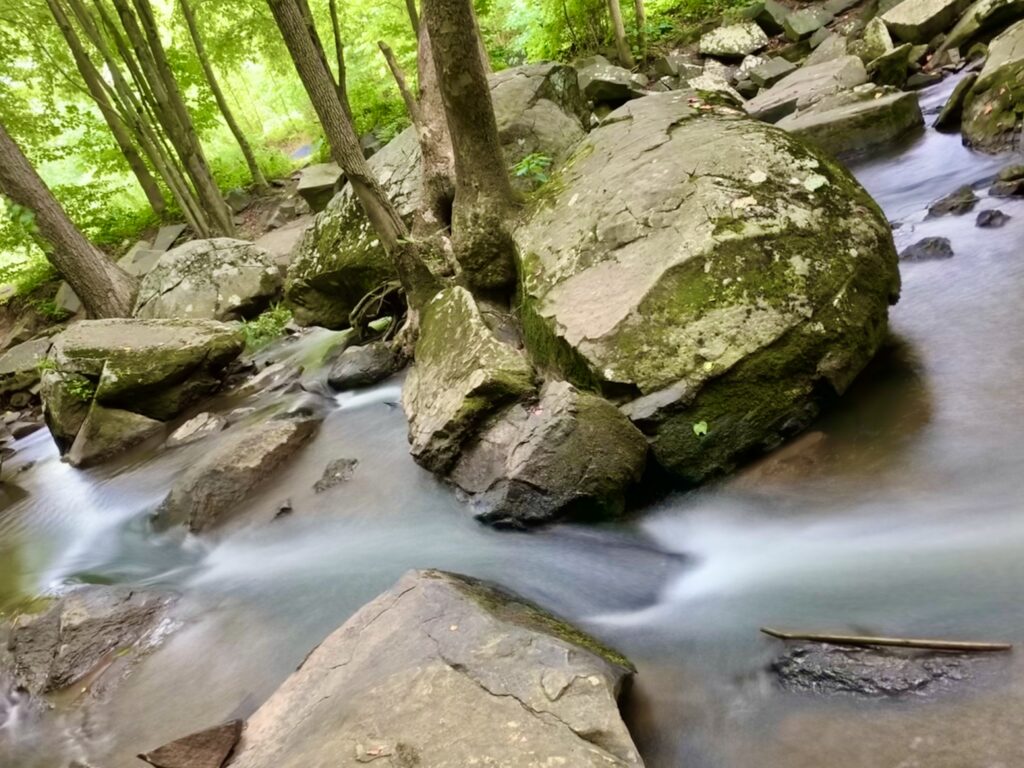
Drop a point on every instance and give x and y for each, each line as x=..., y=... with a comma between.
x=337, y=472
x=959, y=202
x=991, y=219
x=929, y=249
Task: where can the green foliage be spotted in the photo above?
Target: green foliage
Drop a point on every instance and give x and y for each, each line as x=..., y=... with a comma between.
x=534, y=167
x=262, y=330
x=46, y=364
x=700, y=429
x=81, y=389
x=48, y=308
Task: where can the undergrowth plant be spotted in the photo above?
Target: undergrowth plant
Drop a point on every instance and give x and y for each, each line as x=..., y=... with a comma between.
x=268, y=326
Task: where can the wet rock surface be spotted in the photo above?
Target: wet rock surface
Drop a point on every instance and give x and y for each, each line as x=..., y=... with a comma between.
x=928, y=249
x=957, y=203
x=210, y=748
x=79, y=634
x=337, y=472
x=992, y=219
x=833, y=669
x=445, y=671
x=363, y=366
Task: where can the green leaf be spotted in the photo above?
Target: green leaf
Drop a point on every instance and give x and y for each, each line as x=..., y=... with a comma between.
x=700, y=429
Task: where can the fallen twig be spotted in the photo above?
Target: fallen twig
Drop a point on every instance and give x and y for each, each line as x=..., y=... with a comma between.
x=894, y=642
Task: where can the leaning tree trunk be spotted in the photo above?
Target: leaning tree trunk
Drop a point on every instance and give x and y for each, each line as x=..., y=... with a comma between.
x=118, y=127
x=339, y=50
x=211, y=78
x=411, y=106
x=621, y=43
x=437, y=155
x=341, y=136
x=104, y=288
x=483, y=193
x=414, y=17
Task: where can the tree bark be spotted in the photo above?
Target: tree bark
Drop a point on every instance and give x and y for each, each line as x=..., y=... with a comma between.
x=641, y=28
x=621, y=43
x=483, y=193
x=118, y=128
x=211, y=78
x=436, y=153
x=104, y=288
x=485, y=57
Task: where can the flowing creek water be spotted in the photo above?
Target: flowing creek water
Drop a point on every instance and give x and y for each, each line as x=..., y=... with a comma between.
x=904, y=520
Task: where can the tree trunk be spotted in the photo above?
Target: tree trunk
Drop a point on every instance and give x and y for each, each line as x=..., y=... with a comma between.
x=641, y=28
x=170, y=110
x=118, y=128
x=211, y=78
x=483, y=193
x=485, y=57
x=621, y=43
x=414, y=17
x=403, y=87
x=339, y=50
x=437, y=155
x=136, y=118
x=104, y=288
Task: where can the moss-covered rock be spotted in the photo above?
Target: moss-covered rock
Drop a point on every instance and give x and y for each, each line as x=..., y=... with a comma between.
x=709, y=272
x=107, y=432
x=151, y=368
x=993, y=108
x=462, y=376
x=539, y=110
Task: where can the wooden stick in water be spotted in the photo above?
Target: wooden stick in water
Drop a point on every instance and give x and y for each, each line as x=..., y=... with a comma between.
x=894, y=642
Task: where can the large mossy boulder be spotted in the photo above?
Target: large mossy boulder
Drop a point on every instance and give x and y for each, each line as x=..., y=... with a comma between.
x=218, y=279
x=463, y=375
x=993, y=108
x=539, y=110
x=718, y=306
x=151, y=368
x=447, y=672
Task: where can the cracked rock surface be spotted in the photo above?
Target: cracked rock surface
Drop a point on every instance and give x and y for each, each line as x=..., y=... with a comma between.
x=447, y=672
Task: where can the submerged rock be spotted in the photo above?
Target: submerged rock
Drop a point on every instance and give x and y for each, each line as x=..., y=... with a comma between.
x=570, y=454
x=539, y=109
x=218, y=279
x=994, y=105
x=363, y=366
x=957, y=202
x=211, y=490
x=196, y=428
x=832, y=669
x=1009, y=182
x=928, y=249
x=206, y=749
x=463, y=375
x=79, y=635
x=716, y=305
x=991, y=219
x=445, y=671
x=337, y=472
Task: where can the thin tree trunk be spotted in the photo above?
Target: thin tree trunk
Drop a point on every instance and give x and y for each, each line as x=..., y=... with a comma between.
x=483, y=193
x=414, y=17
x=403, y=87
x=136, y=116
x=170, y=110
x=621, y=43
x=211, y=78
x=339, y=50
x=436, y=153
x=118, y=128
x=104, y=288
x=641, y=28
x=341, y=136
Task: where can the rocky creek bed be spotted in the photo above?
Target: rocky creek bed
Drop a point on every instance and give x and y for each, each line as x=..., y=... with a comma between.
x=268, y=556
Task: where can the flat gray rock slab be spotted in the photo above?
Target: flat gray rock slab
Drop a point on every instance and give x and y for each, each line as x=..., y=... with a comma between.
x=918, y=21
x=168, y=236
x=859, y=126
x=443, y=671
x=319, y=183
x=807, y=86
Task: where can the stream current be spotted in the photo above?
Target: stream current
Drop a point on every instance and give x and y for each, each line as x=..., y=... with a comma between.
x=904, y=519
